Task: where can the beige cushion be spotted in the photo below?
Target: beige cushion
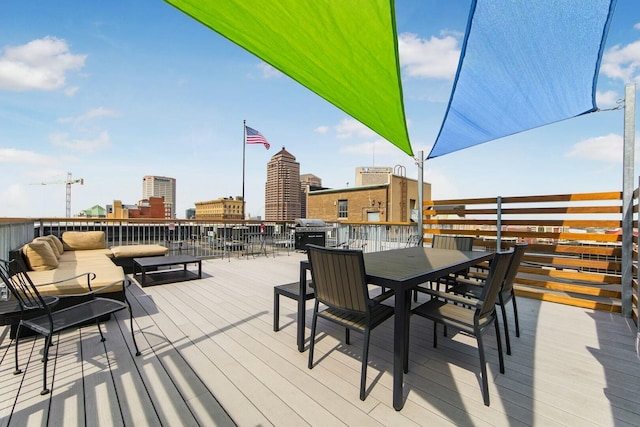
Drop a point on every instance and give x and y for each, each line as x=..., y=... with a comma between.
x=106, y=273
x=57, y=242
x=51, y=243
x=83, y=240
x=86, y=255
x=133, y=251
x=40, y=256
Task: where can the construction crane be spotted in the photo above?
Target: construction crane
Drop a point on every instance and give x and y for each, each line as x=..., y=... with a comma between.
x=68, y=183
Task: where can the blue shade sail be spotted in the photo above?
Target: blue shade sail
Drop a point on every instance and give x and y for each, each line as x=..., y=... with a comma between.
x=524, y=64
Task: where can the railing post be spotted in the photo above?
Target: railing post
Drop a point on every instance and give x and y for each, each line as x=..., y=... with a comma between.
x=420, y=164
x=498, y=223
x=627, y=198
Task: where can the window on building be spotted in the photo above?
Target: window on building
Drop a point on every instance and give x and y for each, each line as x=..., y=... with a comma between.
x=343, y=208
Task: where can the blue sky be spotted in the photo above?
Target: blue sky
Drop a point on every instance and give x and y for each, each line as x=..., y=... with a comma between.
x=114, y=90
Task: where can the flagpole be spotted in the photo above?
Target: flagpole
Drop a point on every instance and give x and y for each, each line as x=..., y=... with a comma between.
x=244, y=146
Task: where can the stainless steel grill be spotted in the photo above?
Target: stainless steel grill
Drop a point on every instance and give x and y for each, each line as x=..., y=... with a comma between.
x=310, y=231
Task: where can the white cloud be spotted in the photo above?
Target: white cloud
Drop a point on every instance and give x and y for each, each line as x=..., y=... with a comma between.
x=606, y=148
x=85, y=146
x=608, y=99
x=90, y=115
x=637, y=26
x=41, y=64
x=268, y=72
x=622, y=62
x=349, y=128
x=71, y=91
x=14, y=200
x=13, y=155
x=321, y=129
x=433, y=58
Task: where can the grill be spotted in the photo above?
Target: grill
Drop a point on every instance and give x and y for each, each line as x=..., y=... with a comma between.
x=310, y=231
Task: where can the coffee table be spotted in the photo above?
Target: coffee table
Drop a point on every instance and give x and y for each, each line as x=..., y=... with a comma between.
x=147, y=265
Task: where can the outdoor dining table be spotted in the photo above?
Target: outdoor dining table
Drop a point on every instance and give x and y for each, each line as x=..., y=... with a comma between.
x=402, y=270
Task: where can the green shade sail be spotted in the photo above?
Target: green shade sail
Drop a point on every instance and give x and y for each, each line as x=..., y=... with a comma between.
x=344, y=51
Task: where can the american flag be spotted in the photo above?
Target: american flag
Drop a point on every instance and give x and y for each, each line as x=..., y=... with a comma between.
x=255, y=137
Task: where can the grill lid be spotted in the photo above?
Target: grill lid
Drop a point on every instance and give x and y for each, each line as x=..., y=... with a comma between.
x=309, y=222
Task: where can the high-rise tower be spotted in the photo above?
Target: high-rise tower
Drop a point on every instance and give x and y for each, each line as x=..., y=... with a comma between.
x=282, y=190
x=161, y=186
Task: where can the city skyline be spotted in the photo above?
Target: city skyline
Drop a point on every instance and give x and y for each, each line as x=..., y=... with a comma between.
x=113, y=92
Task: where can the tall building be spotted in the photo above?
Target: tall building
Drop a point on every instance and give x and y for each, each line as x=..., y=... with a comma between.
x=161, y=186
x=282, y=190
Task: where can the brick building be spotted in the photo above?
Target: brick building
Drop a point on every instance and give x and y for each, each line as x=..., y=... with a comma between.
x=391, y=201
x=221, y=208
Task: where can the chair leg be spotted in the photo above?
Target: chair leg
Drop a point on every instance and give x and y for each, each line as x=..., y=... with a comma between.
x=133, y=337
x=276, y=311
x=506, y=325
x=314, y=321
x=483, y=368
x=499, y=340
x=515, y=314
x=17, y=370
x=102, y=338
x=365, y=358
x=347, y=336
x=435, y=334
x=47, y=343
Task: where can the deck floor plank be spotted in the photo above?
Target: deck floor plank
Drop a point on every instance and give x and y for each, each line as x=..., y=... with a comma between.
x=67, y=390
x=210, y=357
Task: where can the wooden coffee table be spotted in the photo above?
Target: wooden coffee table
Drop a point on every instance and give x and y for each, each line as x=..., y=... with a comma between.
x=151, y=274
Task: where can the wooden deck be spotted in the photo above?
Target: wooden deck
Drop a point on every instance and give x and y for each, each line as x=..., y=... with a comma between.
x=210, y=357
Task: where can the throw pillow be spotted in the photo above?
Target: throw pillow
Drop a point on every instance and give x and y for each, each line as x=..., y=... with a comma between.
x=83, y=240
x=40, y=256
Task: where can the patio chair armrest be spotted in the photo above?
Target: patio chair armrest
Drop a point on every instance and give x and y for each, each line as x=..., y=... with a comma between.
x=454, y=297
x=90, y=276
x=473, y=281
x=383, y=296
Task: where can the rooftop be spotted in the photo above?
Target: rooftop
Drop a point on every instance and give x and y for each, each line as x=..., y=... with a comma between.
x=210, y=357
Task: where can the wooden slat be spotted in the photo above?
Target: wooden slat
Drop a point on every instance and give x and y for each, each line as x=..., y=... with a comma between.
x=565, y=261
x=574, y=289
x=576, y=276
x=528, y=222
x=609, y=195
x=567, y=300
x=571, y=249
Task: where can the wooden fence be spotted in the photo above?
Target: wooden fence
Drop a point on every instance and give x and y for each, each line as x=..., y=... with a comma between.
x=575, y=242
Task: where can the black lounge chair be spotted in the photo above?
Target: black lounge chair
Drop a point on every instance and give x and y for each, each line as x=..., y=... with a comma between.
x=473, y=321
x=340, y=283
x=50, y=322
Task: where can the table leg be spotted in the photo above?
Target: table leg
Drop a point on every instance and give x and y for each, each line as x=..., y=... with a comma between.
x=302, y=308
x=403, y=299
x=199, y=269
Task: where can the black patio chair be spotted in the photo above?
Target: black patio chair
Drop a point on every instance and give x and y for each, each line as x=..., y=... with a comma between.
x=340, y=283
x=472, y=288
x=460, y=243
x=414, y=240
x=14, y=275
x=475, y=320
